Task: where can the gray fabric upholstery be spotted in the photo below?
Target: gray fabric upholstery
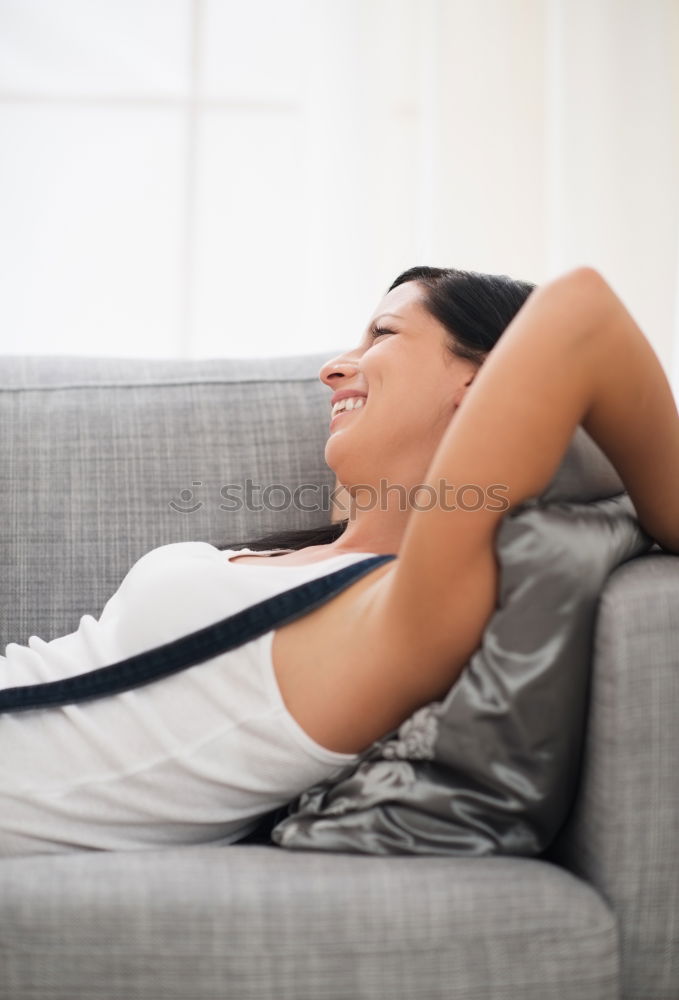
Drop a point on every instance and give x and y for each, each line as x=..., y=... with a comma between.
x=93, y=451
x=256, y=923
x=623, y=833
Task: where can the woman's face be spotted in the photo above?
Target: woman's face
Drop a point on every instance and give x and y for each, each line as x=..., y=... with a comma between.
x=412, y=386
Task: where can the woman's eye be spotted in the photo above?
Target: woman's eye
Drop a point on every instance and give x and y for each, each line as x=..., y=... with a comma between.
x=377, y=331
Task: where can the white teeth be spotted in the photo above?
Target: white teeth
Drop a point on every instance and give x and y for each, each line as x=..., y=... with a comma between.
x=350, y=403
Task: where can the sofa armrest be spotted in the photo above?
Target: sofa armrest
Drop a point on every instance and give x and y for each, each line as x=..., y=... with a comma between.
x=621, y=835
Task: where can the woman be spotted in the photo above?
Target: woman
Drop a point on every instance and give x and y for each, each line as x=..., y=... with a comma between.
x=201, y=756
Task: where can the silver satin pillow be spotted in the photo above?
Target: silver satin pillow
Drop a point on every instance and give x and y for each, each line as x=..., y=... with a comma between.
x=493, y=767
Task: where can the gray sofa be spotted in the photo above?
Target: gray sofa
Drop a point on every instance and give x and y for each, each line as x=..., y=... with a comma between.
x=104, y=459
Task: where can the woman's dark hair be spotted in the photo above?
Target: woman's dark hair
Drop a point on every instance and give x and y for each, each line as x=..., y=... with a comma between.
x=475, y=309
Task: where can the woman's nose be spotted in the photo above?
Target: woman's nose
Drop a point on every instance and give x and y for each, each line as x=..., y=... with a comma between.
x=337, y=367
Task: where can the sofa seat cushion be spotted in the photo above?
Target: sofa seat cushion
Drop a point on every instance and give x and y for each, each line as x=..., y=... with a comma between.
x=258, y=923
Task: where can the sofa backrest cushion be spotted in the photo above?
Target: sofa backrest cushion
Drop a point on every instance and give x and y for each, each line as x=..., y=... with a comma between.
x=104, y=459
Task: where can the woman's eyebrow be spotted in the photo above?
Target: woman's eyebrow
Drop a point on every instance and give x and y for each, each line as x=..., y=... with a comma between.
x=395, y=316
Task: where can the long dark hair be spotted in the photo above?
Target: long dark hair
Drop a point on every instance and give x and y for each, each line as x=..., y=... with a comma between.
x=475, y=309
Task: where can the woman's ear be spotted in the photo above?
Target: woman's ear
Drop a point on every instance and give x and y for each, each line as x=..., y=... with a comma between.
x=464, y=388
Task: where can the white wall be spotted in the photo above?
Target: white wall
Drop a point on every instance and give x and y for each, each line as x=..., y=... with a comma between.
x=204, y=178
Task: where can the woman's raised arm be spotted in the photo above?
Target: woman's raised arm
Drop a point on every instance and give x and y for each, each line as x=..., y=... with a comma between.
x=573, y=354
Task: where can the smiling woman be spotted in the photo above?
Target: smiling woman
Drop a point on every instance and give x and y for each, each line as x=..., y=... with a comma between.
x=211, y=749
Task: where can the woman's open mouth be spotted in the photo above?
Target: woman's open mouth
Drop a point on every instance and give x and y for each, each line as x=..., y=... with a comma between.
x=357, y=403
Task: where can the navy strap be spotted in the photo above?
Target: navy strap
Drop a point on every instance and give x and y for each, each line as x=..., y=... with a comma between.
x=196, y=647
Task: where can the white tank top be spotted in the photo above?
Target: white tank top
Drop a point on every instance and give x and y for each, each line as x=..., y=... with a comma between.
x=195, y=758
